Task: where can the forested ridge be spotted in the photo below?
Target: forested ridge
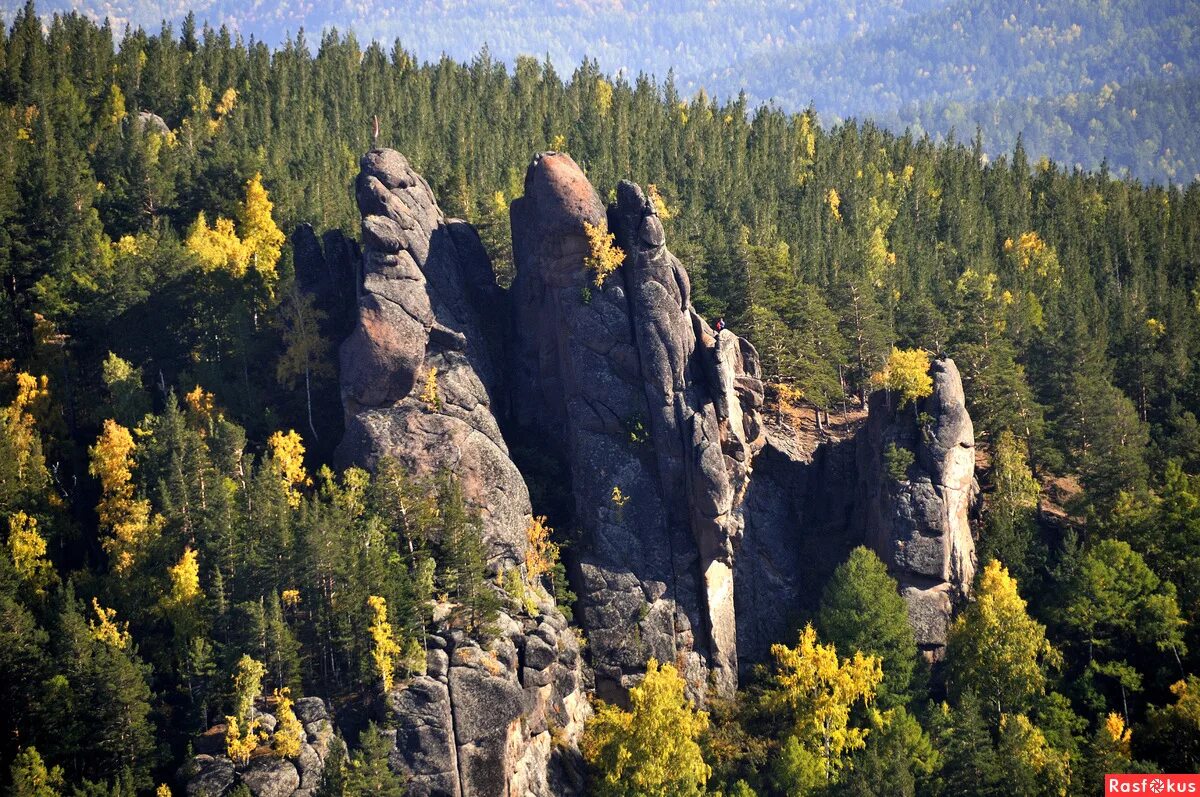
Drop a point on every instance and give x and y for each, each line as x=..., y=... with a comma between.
x=176, y=542
x=1084, y=82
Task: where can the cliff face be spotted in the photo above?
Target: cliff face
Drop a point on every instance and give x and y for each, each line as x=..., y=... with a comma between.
x=703, y=538
x=656, y=415
x=419, y=373
x=920, y=527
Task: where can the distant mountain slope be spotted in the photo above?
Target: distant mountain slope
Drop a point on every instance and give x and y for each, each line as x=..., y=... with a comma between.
x=1069, y=74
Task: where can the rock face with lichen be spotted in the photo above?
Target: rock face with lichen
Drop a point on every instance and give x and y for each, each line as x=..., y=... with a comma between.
x=421, y=381
x=656, y=415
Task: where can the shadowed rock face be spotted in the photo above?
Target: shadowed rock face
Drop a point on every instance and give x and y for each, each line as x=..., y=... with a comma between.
x=656, y=415
x=430, y=313
x=920, y=527
x=804, y=513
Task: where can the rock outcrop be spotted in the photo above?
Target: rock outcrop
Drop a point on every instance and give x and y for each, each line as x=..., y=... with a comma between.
x=798, y=529
x=421, y=378
x=703, y=537
x=211, y=773
x=806, y=511
x=657, y=416
x=921, y=526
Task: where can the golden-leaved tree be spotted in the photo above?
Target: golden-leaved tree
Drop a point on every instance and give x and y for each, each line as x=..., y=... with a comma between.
x=125, y=517
x=906, y=372
x=812, y=692
x=287, y=459
x=385, y=650
x=257, y=247
x=604, y=257
x=652, y=749
x=995, y=648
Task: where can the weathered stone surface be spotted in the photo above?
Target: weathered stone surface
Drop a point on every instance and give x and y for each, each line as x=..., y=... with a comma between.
x=152, y=122
x=705, y=535
x=921, y=526
x=429, y=305
x=267, y=776
x=215, y=777
x=799, y=510
x=425, y=748
x=310, y=709
x=429, y=301
x=644, y=400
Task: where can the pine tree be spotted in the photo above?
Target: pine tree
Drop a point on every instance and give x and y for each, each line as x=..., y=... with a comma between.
x=31, y=777
x=464, y=559
x=1012, y=535
x=862, y=611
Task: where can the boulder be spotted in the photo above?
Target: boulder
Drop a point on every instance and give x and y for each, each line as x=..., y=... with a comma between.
x=212, y=774
x=267, y=776
x=214, y=778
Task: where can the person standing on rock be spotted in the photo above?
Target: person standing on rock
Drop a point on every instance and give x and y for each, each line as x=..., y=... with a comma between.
x=720, y=324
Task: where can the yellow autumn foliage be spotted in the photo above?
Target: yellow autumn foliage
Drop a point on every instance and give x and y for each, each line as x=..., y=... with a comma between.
x=258, y=246
x=185, y=580
x=835, y=204
x=287, y=458
x=814, y=692
x=289, y=733
x=27, y=549
x=106, y=629
x=906, y=372
x=385, y=650
x=603, y=256
x=125, y=517
x=659, y=204
x=542, y=552
x=239, y=744
x=652, y=749
x=429, y=391
x=995, y=647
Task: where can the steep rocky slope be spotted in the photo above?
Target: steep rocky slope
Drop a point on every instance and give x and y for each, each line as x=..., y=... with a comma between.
x=702, y=537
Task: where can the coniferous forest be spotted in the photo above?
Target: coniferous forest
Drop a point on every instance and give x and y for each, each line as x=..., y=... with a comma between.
x=178, y=542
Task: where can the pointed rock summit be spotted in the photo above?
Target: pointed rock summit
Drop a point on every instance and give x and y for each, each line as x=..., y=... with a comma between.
x=419, y=375
x=656, y=414
x=700, y=536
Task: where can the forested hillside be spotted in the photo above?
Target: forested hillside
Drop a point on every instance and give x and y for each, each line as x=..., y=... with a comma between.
x=177, y=543
x=1083, y=81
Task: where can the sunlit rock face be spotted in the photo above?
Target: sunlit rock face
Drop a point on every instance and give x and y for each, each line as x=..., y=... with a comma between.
x=656, y=415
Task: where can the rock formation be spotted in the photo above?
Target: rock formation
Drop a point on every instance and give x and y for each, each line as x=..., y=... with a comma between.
x=656, y=415
x=420, y=373
x=920, y=527
x=211, y=773
x=805, y=511
x=703, y=536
